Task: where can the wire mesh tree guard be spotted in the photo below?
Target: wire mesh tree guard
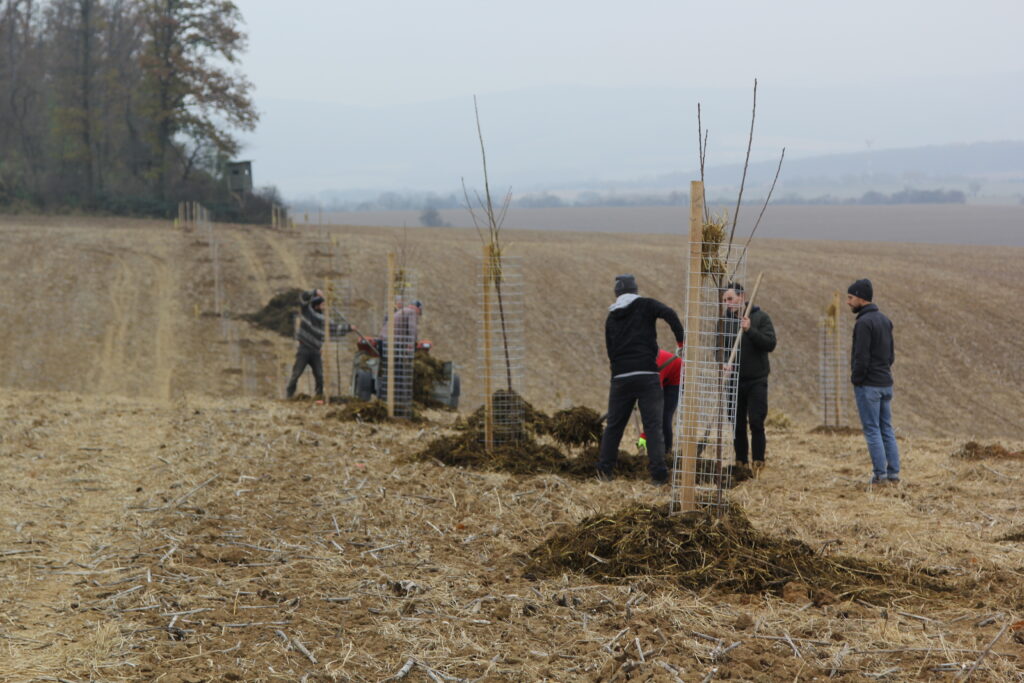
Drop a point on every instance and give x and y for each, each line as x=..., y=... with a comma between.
x=502, y=352
x=398, y=340
x=703, y=452
x=831, y=365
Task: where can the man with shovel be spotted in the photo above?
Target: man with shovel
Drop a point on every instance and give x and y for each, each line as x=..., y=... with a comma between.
x=758, y=340
x=311, y=338
x=631, y=339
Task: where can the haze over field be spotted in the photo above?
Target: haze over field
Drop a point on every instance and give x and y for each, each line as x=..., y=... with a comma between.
x=591, y=94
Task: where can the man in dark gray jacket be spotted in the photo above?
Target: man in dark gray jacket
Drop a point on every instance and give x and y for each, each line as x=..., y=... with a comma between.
x=871, y=374
x=757, y=342
x=311, y=338
x=632, y=342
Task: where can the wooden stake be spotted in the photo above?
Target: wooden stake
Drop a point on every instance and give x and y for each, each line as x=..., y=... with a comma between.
x=746, y=312
x=390, y=304
x=327, y=343
x=488, y=353
x=838, y=354
x=688, y=440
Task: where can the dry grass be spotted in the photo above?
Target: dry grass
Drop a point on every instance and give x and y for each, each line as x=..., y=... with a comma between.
x=188, y=534
x=238, y=519
x=132, y=288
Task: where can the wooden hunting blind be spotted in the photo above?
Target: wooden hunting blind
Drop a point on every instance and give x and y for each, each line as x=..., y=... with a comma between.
x=239, y=175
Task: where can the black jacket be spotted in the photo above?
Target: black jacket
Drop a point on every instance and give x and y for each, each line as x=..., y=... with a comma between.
x=873, y=349
x=755, y=345
x=631, y=337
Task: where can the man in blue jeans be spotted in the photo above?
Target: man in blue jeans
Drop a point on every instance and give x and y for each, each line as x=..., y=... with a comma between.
x=871, y=373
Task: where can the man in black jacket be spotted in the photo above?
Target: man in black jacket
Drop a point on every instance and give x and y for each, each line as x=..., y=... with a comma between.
x=871, y=374
x=632, y=342
x=757, y=342
x=311, y=338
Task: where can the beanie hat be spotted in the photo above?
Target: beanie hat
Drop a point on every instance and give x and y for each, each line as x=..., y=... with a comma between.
x=862, y=289
x=625, y=284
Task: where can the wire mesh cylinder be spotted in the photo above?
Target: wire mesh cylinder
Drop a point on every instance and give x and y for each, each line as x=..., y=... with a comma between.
x=398, y=344
x=703, y=452
x=502, y=350
x=831, y=379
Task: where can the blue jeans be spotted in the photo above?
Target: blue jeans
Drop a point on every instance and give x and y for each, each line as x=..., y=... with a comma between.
x=875, y=407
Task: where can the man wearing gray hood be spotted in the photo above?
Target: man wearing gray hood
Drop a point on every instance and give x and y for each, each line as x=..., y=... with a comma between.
x=632, y=342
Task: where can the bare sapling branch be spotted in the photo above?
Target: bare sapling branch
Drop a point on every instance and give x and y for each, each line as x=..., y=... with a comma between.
x=743, y=178
x=494, y=249
x=764, y=206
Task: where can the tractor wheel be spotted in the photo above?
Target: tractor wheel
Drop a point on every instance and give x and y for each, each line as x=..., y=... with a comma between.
x=364, y=385
x=453, y=400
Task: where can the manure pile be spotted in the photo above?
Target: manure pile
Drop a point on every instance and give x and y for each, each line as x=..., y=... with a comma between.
x=836, y=431
x=279, y=313
x=728, y=554
x=527, y=456
x=576, y=428
x=972, y=450
x=364, y=411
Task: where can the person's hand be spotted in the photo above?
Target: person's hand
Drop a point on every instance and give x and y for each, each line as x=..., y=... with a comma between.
x=641, y=444
x=745, y=323
x=680, y=349
x=727, y=368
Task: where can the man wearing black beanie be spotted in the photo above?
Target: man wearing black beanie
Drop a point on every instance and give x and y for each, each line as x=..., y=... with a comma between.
x=870, y=363
x=632, y=342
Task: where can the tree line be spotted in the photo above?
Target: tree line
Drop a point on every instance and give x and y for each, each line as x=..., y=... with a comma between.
x=123, y=106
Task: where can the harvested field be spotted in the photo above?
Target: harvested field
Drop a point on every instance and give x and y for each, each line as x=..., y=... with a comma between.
x=204, y=539
x=166, y=519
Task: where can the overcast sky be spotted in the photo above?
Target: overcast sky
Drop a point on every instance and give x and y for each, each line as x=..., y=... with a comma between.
x=386, y=54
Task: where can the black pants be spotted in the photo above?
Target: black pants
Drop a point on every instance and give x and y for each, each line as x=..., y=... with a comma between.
x=306, y=355
x=625, y=393
x=752, y=407
x=667, y=415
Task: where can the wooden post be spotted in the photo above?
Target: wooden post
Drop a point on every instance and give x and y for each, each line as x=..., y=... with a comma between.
x=488, y=353
x=327, y=344
x=389, y=307
x=688, y=439
x=837, y=354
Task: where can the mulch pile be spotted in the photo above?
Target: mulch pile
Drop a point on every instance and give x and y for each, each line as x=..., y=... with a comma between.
x=527, y=456
x=577, y=426
x=837, y=431
x=360, y=411
x=698, y=551
x=427, y=372
x=279, y=313
x=526, y=448
x=972, y=450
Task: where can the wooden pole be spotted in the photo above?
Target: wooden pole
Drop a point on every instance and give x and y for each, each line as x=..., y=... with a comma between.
x=688, y=440
x=488, y=353
x=327, y=343
x=838, y=354
x=389, y=307
x=746, y=312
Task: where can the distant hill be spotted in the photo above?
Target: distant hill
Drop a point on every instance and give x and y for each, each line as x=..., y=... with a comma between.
x=921, y=167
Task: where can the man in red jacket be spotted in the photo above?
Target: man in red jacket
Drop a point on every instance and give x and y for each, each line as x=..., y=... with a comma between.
x=671, y=373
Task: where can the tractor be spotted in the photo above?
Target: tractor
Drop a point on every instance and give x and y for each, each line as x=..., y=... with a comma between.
x=366, y=374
